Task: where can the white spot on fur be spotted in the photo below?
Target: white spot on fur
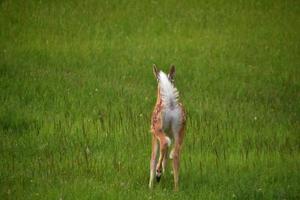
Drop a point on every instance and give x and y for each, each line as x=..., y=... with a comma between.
x=168, y=141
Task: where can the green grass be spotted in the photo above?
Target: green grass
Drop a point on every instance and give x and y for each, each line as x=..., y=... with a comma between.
x=77, y=91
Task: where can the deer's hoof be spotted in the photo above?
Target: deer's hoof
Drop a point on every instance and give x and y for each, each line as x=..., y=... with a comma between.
x=158, y=178
x=158, y=175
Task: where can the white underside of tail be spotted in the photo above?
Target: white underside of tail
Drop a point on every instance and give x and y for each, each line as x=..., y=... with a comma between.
x=168, y=92
x=172, y=111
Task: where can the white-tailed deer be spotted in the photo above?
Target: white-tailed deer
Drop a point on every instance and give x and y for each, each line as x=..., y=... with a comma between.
x=168, y=121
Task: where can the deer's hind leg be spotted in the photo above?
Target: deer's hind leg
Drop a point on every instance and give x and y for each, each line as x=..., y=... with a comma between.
x=165, y=161
x=153, y=160
x=166, y=155
x=178, y=136
x=164, y=141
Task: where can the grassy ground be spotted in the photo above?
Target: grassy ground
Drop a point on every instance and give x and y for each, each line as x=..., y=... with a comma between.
x=77, y=91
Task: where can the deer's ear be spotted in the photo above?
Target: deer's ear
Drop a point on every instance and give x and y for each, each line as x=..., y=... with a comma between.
x=171, y=74
x=155, y=71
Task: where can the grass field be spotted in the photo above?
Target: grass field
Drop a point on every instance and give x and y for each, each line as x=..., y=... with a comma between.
x=77, y=92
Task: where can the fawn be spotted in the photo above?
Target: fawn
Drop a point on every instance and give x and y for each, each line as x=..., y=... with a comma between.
x=168, y=121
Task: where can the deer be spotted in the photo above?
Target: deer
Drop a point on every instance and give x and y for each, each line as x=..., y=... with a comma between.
x=167, y=124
